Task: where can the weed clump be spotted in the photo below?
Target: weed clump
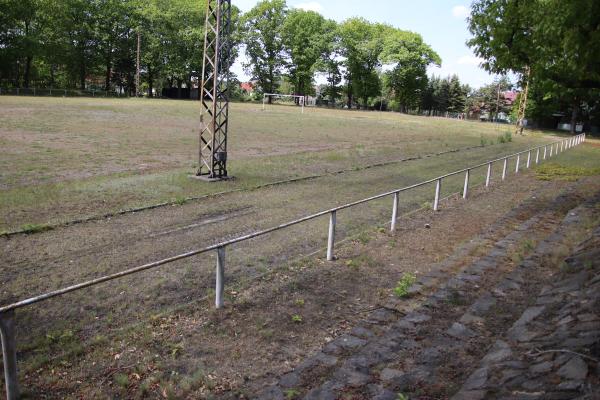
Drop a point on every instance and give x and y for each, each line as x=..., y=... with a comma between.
x=506, y=138
x=401, y=289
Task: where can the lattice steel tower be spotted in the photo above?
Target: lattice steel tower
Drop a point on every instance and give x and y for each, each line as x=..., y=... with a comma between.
x=214, y=91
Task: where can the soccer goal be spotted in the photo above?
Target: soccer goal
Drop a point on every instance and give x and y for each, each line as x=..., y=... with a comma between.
x=287, y=99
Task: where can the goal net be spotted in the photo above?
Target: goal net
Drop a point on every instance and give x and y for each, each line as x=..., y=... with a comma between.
x=283, y=99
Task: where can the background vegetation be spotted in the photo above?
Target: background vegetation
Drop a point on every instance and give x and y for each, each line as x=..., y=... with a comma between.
x=92, y=44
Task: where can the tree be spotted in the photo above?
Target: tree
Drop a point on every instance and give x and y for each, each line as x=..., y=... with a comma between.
x=558, y=40
x=305, y=38
x=361, y=45
x=410, y=57
x=262, y=37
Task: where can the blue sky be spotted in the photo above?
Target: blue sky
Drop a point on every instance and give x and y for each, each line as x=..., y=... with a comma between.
x=442, y=23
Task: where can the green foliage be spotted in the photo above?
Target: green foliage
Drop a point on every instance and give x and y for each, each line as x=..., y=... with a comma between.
x=296, y=318
x=262, y=35
x=441, y=96
x=558, y=40
x=401, y=289
x=410, y=57
x=291, y=394
x=306, y=36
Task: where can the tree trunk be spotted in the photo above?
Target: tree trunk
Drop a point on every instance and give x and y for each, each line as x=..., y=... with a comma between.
x=27, y=75
x=108, y=73
x=150, y=84
x=574, y=116
x=18, y=75
x=349, y=96
x=52, y=69
x=82, y=74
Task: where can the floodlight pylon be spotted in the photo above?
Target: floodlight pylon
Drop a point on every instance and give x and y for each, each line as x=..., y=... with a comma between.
x=214, y=91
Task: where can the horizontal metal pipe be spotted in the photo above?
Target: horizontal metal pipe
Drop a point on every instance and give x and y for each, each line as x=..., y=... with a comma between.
x=97, y=281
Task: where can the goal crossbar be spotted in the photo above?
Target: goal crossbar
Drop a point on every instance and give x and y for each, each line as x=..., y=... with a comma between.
x=266, y=95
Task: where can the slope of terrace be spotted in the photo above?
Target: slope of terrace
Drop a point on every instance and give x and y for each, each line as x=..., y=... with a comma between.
x=520, y=322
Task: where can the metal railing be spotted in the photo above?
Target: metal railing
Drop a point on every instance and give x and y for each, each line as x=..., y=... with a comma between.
x=7, y=313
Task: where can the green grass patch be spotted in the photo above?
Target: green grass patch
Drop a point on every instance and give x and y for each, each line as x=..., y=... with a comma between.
x=555, y=171
x=35, y=228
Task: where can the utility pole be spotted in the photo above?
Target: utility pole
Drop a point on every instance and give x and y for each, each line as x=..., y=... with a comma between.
x=137, y=75
x=214, y=92
x=523, y=102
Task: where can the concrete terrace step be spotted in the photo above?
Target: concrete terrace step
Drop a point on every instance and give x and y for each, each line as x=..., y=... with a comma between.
x=553, y=350
x=389, y=353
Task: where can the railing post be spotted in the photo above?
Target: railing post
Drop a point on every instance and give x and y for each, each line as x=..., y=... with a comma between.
x=545, y=150
x=518, y=162
x=395, y=211
x=556, y=151
x=528, y=159
x=331, y=238
x=436, y=199
x=9, y=354
x=504, y=168
x=551, y=149
x=466, y=188
x=488, y=176
x=220, y=281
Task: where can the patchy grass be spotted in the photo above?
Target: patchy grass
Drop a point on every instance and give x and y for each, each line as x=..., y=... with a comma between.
x=555, y=171
x=67, y=158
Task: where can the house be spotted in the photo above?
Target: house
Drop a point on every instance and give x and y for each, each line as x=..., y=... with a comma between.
x=247, y=87
x=510, y=97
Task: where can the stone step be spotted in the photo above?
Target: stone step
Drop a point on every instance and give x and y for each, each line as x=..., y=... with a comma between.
x=552, y=351
x=349, y=361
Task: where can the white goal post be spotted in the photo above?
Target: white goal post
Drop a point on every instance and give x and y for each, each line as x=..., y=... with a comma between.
x=301, y=99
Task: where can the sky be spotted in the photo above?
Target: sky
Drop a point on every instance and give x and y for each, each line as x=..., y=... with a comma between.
x=442, y=23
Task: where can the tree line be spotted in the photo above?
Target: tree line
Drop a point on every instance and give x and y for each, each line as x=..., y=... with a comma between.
x=93, y=44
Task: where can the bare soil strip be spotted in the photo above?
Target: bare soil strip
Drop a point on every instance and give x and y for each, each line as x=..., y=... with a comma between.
x=161, y=340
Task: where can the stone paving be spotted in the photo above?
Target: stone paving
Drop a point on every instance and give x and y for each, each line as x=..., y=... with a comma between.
x=482, y=333
x=553, y=350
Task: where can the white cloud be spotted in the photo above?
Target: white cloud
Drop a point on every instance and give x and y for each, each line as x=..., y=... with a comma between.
x=310, y=6
x=461, y=11
x=470, y=60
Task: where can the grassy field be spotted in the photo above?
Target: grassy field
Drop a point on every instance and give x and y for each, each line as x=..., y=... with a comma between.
x=156, y=334
x=66, y=158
